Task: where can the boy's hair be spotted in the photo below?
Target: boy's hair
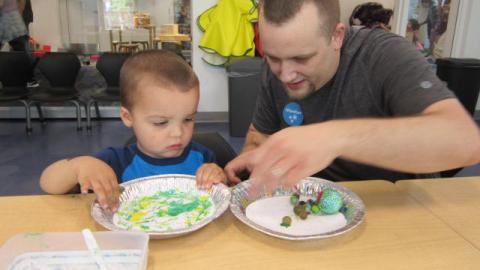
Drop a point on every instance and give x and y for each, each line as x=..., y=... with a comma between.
x=280, y=11
x=160, y=67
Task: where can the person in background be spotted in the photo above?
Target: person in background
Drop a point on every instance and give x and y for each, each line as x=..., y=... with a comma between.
x=159, y=99
x=347, y=104
x=371, y=15
x=14, y=32
x=412, y=34
x=27, y=14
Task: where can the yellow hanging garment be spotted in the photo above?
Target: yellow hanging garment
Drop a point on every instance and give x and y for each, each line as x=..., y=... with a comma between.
x=228, y=30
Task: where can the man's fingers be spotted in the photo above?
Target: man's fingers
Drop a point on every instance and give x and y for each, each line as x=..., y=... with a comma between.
x=294, y=175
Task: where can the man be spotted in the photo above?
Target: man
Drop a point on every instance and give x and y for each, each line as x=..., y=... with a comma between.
x=350, y=104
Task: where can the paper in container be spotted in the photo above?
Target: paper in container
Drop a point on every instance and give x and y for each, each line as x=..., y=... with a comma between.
x=67, y=250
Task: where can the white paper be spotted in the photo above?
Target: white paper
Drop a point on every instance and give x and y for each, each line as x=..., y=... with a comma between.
x=269, y=212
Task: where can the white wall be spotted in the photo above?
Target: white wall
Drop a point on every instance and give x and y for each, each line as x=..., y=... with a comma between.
x=46, y=23
x=467, y=33
x=213, y=80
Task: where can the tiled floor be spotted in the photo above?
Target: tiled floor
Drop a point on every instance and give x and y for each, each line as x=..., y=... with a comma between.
x=23, y=157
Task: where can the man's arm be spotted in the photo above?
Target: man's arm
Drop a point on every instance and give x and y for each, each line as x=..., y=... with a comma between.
x=442, y=137
x=253, y=139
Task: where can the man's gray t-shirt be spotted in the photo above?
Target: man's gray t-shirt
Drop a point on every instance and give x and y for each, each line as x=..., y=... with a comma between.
x=380, y=75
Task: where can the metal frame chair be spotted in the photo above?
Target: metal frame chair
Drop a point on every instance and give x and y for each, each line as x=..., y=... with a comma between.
x=109, y=65
x=14, y=70
x=61, y=70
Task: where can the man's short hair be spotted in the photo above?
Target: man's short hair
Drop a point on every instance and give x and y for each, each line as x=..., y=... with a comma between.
x=160, y=67
x=281, y=11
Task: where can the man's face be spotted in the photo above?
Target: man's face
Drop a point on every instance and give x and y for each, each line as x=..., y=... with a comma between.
x=299, y=53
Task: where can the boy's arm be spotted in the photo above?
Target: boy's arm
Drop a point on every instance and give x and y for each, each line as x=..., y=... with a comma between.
x=91, y=173
x=59, y=178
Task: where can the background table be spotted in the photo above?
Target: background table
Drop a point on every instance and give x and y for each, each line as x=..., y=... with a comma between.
x=398, y=233
x=456, y=201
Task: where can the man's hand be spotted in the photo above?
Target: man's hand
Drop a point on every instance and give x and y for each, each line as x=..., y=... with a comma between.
x=291, y=155
x=238, y=165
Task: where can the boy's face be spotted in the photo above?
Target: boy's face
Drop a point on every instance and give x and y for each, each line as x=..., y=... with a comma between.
x=162, y=119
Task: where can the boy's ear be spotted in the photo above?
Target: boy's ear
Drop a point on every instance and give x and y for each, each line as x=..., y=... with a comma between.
x=126, y=117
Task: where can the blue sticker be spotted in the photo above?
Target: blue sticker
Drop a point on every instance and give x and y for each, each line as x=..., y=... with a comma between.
x=292, y=114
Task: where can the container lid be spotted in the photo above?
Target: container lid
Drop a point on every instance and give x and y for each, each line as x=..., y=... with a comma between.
x=248, y=65
x=459, y=62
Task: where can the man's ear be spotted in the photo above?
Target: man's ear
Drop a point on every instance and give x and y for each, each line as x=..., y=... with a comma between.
x=338, y=36
x=126, y=117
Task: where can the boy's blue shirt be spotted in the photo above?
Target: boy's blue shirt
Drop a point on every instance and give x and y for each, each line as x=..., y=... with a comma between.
x=129, y=162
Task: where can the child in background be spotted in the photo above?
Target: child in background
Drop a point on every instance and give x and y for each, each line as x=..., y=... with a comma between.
x=371, y=15
x=159, y=99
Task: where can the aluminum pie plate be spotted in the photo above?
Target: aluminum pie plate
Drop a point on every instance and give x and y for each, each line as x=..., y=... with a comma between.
x=354, y=214
x=219, y=193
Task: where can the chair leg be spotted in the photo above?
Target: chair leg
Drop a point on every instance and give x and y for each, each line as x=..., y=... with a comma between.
x=40, y=113
x=88, y=112
x=97, y=110
x=79, y=114
x=27, y=116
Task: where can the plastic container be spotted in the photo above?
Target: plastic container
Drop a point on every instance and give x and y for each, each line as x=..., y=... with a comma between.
x=243, y=88
x=121, y=250
x=463, y=78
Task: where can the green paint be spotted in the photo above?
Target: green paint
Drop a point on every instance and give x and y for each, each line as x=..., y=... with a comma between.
x=164, y=210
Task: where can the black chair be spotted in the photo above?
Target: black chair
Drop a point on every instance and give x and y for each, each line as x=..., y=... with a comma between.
x=61, y=70
x=109, y=65
x=214, y=141
x=14, y=74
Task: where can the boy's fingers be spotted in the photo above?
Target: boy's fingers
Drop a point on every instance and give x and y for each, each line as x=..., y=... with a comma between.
x=222, y=177
x=113, y=192
x=199, y=176
x=101, y=195
x=84, y=187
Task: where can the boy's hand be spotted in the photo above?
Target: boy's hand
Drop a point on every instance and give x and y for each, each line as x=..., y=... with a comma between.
x=94, y=174
x=209, y=174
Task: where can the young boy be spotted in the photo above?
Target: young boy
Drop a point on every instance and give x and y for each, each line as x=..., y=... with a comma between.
x=159, y=99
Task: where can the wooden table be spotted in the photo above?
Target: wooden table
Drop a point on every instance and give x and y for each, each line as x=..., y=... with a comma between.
x=456, y=201
x=398, y=233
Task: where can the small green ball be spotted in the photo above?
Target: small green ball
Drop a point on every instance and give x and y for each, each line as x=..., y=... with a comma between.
x=298, y=209
x=315, y=209
x=286, y=221
x=294, y=199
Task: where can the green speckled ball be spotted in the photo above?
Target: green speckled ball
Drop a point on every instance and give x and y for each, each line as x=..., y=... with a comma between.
x=331, y=201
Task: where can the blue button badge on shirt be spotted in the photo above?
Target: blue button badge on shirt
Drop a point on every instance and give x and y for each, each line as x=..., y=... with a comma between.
x=292, y=114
